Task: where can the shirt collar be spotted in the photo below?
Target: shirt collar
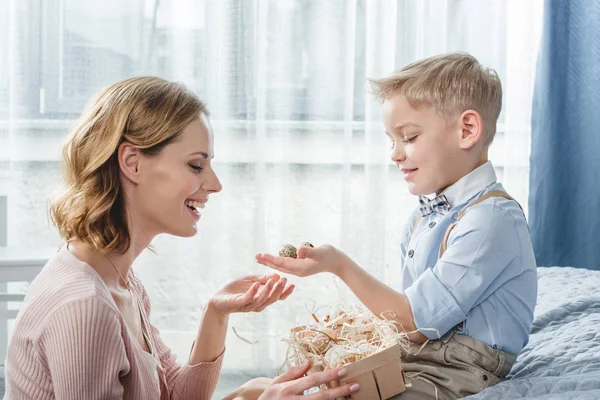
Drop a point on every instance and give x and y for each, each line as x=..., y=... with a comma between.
x=469, y=185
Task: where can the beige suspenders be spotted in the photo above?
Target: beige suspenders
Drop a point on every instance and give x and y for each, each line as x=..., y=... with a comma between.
x=444, y=244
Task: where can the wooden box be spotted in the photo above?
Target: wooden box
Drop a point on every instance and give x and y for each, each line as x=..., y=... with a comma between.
x=380, y=375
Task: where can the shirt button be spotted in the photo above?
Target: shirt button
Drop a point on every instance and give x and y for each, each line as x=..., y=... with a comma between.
x=411, y=253
x=431, y=224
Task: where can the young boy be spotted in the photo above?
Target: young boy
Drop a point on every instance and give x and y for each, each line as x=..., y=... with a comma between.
x=468, y=272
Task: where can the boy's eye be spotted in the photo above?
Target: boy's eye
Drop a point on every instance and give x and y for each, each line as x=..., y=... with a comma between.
x=409, y=140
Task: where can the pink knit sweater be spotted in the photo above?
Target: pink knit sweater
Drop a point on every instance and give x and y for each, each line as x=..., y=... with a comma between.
x=70, y=342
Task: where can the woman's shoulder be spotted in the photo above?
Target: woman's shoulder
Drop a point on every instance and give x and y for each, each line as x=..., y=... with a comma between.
x=64, y=286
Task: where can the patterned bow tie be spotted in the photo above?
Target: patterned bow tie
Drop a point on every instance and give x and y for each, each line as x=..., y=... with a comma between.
x=439, y=204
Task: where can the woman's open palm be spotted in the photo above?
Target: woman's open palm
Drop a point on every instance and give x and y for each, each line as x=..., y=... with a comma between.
x=251, y=293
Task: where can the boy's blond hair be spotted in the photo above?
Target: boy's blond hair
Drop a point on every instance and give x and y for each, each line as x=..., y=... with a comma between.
x=452, y=83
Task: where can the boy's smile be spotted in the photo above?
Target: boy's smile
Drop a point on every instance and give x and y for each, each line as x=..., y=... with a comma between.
x=409, y=173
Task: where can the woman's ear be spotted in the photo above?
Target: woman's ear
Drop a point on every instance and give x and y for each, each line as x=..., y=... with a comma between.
x=129, y=161
x=470, y=129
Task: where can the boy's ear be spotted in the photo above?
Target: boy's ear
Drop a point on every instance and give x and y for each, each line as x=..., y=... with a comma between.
x=129, y=161
x=470, y=129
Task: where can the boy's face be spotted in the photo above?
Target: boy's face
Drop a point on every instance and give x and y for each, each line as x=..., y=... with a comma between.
x=425, y=148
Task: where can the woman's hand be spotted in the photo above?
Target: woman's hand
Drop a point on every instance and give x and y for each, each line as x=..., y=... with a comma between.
x=250, y=293
x=310, y=261
x=293, y=383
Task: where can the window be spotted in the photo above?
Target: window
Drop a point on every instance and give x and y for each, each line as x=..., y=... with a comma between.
x=299, y=144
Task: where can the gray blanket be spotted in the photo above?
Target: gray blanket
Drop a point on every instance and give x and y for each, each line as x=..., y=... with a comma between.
x=562, y=359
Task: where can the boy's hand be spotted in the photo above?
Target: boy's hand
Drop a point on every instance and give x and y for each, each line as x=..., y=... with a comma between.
x=310, y=261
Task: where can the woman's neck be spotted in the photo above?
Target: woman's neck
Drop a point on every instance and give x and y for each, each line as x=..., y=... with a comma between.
x=101, y=262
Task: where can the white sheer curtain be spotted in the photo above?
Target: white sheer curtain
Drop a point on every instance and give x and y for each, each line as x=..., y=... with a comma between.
x=299, y=144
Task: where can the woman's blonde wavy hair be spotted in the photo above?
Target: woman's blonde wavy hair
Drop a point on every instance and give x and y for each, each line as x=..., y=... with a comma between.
x=147, y=112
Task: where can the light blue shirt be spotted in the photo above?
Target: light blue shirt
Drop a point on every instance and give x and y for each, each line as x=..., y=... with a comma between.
x=486, y=279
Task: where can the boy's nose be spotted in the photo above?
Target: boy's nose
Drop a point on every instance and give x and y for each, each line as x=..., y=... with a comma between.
x=398, y=154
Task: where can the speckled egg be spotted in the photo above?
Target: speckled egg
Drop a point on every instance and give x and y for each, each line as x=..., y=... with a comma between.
x=288, y=251
x=306, y=244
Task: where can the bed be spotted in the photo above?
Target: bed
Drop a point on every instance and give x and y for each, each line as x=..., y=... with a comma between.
x=562, y=359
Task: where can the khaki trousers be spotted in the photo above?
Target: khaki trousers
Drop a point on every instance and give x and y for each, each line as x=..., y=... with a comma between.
x=453, y=367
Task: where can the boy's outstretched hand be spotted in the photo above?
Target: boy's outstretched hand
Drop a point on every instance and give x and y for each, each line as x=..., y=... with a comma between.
x=310, y=261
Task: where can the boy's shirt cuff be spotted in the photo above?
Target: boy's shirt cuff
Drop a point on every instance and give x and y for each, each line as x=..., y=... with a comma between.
x=435, y=310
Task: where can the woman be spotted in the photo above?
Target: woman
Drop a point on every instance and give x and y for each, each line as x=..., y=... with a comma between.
x=138, y=164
